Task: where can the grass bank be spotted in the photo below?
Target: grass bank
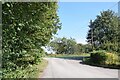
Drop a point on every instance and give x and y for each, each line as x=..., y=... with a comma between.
x=39, y=69
x=68, y=55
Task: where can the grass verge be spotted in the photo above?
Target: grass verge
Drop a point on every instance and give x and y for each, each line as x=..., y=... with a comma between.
x=68, y=55
x=38, y=69
x=32, y=71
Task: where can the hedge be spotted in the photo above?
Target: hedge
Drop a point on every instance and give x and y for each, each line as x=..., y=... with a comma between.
x=102, y=57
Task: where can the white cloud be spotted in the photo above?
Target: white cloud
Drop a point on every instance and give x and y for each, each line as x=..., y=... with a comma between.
x=81, y=41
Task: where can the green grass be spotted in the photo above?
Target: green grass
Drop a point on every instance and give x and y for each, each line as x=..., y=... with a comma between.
x=68, y=55
x=38, y=69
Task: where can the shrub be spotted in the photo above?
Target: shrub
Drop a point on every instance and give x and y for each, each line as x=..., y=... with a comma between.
x=103, y=57
x=112, y=58
x=98, y=57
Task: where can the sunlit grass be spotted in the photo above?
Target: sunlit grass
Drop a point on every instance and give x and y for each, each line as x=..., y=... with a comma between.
x=68, y=55
x=39, y=69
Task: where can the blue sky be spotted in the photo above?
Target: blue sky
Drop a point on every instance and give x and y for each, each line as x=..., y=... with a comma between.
x=75, y=17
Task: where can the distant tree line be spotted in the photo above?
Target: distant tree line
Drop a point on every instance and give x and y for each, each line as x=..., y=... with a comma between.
x=68, y=46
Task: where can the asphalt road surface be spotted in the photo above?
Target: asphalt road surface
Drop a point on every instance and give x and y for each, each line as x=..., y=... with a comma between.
x=68, y=68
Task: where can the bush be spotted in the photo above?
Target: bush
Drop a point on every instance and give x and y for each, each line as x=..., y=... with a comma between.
x=31, y=71
x=112, y=59
x=98, y=57
x=102, y=57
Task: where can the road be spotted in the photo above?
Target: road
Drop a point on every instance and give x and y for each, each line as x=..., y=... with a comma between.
x=69, y=68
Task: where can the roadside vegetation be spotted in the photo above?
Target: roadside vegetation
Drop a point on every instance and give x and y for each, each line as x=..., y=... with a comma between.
x=68, y=55
x=104, y=37
x=27, y=27
x=67, y=46
x=31, y=71
x=103, y=59
x=103, y=40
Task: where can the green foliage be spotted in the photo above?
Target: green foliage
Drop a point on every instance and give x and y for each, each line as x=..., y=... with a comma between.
x=112, y=59
x=68, y=46
x=63, y=45
x=98, y=57
x=31, y=71
x=86, y=48
x=68, y=55
x=27, y=26
x=104, y=32
x=104, y=58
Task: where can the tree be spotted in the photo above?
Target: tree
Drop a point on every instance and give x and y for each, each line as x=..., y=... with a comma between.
x=103, y=33
x=63, y=45
x=119, y=35
x=27, y=26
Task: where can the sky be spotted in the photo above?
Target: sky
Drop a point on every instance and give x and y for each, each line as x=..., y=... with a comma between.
x=75, y=17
